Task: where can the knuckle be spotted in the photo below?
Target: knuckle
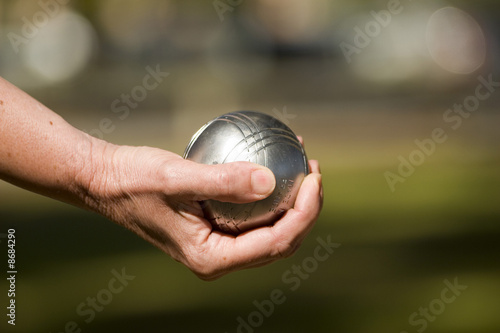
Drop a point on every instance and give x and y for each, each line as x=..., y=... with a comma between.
x=206, y=276
x=286, y=248
x=201, y=266
x=204, y=272
x=223, y=181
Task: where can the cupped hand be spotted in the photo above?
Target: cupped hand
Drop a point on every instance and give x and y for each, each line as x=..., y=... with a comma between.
x=156, y=194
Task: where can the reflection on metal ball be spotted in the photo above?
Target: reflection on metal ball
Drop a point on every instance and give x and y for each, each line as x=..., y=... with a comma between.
x=254, y=137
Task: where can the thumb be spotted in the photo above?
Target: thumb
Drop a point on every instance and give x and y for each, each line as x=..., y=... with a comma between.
x=237, y=182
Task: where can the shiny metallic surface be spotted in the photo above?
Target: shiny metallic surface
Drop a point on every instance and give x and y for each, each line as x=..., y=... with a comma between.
x=254, y=137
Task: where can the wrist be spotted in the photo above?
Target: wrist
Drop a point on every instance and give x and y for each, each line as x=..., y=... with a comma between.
x=89, y=166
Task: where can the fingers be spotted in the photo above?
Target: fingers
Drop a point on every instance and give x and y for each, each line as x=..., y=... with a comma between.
x=315, y=168
x=237, y=182
x=297, y=222
x=267, y=244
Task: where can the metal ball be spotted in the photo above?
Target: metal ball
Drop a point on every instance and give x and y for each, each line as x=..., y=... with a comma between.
x=254, y=137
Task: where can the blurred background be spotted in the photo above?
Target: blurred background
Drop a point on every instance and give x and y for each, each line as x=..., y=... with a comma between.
x=360, y=80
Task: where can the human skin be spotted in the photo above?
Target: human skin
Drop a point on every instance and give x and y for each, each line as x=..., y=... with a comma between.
x=152, y=192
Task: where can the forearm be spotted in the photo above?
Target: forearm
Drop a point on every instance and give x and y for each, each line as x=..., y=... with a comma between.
x=40, y=151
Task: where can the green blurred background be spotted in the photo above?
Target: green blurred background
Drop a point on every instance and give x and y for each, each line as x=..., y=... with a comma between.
x=359, y=114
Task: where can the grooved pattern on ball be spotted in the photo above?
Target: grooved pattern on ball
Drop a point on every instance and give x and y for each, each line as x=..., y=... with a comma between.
x=258, y=138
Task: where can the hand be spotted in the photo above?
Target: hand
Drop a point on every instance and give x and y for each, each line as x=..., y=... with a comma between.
x=152, y=192
x=155, y=194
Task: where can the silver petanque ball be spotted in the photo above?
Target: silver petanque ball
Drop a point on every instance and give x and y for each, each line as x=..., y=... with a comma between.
x=253, y=137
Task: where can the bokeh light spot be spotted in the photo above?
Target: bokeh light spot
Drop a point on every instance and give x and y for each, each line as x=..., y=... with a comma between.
x=62, y=48
x=455, y=41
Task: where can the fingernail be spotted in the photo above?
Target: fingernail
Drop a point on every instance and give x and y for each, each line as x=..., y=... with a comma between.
x=262, y=182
